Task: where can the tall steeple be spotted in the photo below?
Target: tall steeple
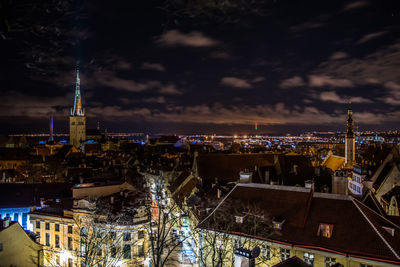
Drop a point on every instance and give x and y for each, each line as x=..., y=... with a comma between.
x=77, y=110
x=350, y=139
x=77, y=118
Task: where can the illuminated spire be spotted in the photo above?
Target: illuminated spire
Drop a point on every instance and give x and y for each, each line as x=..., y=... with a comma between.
x=350, y=122
x=77, y=109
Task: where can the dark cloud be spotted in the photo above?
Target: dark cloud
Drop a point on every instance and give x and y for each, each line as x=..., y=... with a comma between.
x=278, y=63
x=153, y=66
x=192, y=39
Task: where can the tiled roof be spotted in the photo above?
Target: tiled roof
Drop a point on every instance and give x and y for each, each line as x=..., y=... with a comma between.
x=185, y=190
x=334, y=162
x=353, y=223
x=382, y=176
x=178, y=181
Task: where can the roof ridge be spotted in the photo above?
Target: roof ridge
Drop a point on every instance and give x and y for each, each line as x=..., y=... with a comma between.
x=376, y=230
x=273, y=186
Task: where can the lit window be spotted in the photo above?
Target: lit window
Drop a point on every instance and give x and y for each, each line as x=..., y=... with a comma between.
x=99, y=250
x=309, y=258
x=220, y=243
x=238, y=243
x=285, y=254
x=266, y=252
x=70, y=247
x=141, y=250
x=113, y=252
x=113, y=235
x=57, y=239
x=127, y=236
x=141, y=234
x=47, y=239
x=127, y=251
x=277, y=222
x=329, y=261
x=325, y=229
x=239, y=219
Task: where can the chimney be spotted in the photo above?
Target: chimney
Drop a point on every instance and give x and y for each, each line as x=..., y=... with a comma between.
x=267, y=177
x=295, y=169
x=317, y=171
x=309, y=184
x=245, y=177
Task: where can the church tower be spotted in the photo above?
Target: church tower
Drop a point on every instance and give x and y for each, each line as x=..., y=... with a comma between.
x=77, y=118
x=350, y=148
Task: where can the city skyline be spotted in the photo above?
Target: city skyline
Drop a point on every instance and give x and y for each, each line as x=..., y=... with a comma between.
x=285, y=66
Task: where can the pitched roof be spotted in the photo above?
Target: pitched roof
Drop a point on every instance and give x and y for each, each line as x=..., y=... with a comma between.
x=354, y=225
x=382, y=176
x=334, y=162
x=178, y=181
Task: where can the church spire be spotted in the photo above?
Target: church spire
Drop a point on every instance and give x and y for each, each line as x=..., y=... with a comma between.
x=350, y=147
x=77, y=109
x=350, y=122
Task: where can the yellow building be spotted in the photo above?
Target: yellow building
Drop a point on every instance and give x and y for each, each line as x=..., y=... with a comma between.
x=17, y=248
x=82, y=231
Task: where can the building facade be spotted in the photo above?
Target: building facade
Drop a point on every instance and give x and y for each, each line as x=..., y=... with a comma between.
x=77, y=118
x=17, y=248
x=91, y=231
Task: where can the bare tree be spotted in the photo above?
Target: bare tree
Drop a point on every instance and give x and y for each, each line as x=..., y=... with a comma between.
x=232, y=226
x=164, y=216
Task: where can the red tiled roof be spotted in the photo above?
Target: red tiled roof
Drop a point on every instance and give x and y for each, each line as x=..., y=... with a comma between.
x=353, y=223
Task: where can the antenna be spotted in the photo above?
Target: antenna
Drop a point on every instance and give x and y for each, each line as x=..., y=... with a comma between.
x=51, y=138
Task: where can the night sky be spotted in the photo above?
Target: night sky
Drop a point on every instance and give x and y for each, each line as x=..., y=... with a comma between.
x=201, y=66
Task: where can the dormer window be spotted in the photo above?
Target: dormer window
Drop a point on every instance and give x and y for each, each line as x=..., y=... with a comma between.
x=277, y=222
x=325, y=230
x=390, y=230
x=239, y=219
